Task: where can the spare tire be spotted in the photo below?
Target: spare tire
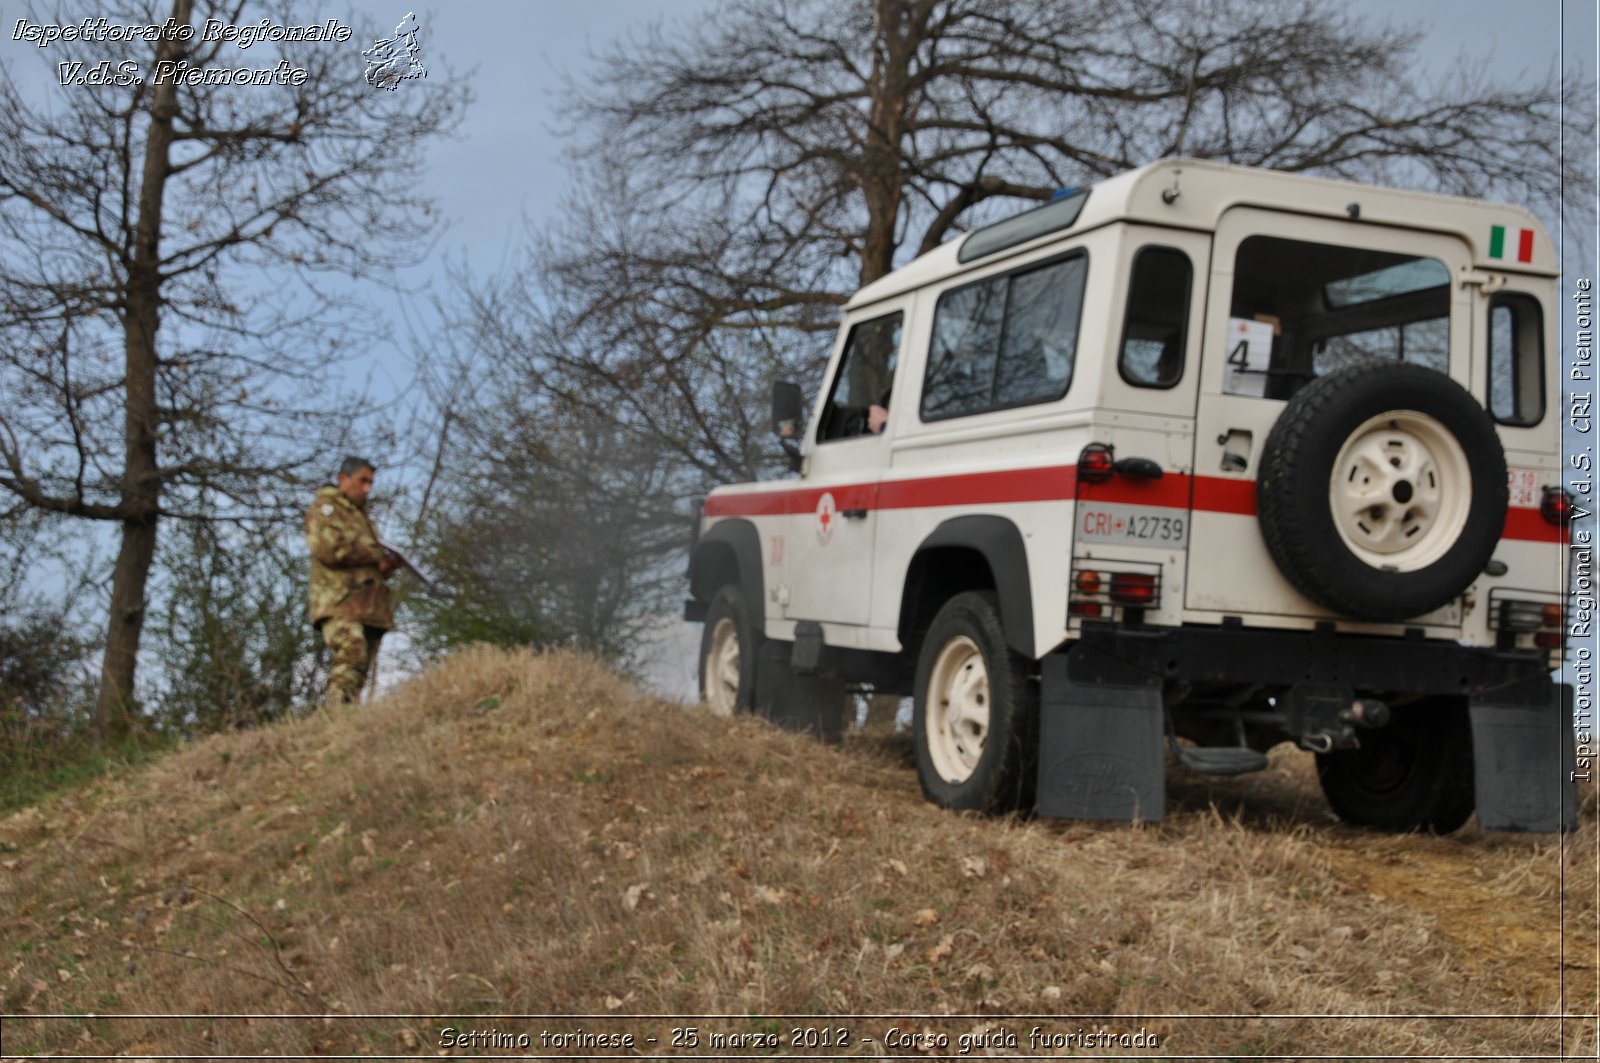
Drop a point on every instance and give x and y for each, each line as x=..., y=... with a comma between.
x=1382, y=491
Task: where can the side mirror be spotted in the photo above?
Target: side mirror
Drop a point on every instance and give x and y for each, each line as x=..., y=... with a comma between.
x=787, y=409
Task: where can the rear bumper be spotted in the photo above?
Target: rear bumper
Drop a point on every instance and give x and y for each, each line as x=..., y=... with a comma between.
x=1236, y=654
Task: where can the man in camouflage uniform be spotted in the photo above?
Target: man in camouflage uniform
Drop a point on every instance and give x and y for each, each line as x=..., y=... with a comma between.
x=349, y=602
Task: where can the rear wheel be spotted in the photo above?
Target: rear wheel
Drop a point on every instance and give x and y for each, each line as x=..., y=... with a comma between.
x=728, y=654
x=1415, y=774
x=976, y=713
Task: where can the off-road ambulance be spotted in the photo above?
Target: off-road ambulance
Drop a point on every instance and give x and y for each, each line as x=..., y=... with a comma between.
x=1199, y=460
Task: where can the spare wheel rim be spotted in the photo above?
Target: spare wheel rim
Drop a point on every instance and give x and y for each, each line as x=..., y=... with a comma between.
x=1400, y=491
x=722, y=668
x=957, y=716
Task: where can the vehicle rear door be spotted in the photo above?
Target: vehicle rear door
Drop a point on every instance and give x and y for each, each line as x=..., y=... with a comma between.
x=1291, y=298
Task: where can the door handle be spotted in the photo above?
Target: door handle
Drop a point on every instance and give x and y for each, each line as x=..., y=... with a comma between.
x=853, y=514
x=1236, y=449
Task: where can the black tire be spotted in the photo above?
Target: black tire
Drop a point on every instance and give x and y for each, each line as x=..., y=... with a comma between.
x=724, y=689
x=1415, y=774
x=994, y=771
x=1416, y=563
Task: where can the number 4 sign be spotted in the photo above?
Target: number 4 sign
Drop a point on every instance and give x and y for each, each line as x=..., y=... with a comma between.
x=1249, y=355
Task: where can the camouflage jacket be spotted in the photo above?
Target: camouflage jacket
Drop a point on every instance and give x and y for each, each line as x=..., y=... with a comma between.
x=345, y=552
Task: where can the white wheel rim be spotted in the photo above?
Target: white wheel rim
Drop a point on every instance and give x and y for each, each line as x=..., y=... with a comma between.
x=957, y=715
x=1400, y=491
x=721, y=668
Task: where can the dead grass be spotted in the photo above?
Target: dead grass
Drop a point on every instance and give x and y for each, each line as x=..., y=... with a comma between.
x=520, y=835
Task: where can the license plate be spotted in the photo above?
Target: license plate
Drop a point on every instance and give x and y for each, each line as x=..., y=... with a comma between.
x=1108, y=522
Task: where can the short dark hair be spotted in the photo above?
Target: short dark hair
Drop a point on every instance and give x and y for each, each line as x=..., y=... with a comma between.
x=352, y=465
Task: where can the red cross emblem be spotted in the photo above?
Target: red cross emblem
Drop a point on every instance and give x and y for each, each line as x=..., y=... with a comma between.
x=825, y=512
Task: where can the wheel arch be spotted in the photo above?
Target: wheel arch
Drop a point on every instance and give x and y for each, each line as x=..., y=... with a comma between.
x=730, y=553
x=976, y=552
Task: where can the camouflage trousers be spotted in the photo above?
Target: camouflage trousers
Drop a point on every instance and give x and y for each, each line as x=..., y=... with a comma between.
x=353, y=645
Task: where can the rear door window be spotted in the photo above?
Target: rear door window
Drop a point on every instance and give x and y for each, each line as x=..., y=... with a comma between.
x=1301, y=310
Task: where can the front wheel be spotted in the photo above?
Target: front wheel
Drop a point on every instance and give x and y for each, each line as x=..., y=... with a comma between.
x=1415, y=774
x=976, y=712
x=728, y=654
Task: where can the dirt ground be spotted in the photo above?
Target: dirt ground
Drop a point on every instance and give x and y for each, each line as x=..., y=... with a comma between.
x=515, y=837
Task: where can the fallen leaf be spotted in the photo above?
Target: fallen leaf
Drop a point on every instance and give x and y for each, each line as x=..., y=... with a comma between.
x=944, y=948
x=927, y=917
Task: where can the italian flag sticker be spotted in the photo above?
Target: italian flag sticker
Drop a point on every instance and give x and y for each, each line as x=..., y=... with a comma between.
x=1500, y=248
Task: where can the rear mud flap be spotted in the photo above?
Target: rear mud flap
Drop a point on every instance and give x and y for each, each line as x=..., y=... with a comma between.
x=1523, y=759
x=1100, y=746
x=807, y=704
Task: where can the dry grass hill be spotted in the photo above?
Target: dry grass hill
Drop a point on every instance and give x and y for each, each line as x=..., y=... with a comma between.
x=518, y=854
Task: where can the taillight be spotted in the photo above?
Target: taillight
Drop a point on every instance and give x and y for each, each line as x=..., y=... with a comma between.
x=1105, y=593
x=1556, y=506
x=1133, y=588
x=1095, y=463
x=1085, y=599
x=1520, y=616
x=1518, y=619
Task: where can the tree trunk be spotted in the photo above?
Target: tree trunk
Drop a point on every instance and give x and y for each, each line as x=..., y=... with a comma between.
x=141, y=474
x=898, y=27
x=114, y=709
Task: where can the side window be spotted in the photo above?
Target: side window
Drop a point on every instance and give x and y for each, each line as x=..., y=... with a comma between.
x=1516, y=359
x=866, y=374
x=1156, y=327
x=1301, y=310
x=1005, y=341
x=967, y=326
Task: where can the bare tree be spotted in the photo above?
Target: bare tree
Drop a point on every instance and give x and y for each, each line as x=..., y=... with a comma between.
x=554, y=518
x=870, y=126
x=233, y=616
x=166, y=317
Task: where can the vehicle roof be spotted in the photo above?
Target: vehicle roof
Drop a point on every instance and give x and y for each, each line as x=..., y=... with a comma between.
x=1209, y=189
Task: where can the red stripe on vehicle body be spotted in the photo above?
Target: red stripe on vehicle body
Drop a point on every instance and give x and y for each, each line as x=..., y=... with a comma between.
x=1050, y=484
x=1530, y=525
x=1056, y=483
x=1213, y=494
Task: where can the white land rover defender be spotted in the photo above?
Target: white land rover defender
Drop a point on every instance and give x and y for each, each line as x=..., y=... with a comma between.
x=1203, y=453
